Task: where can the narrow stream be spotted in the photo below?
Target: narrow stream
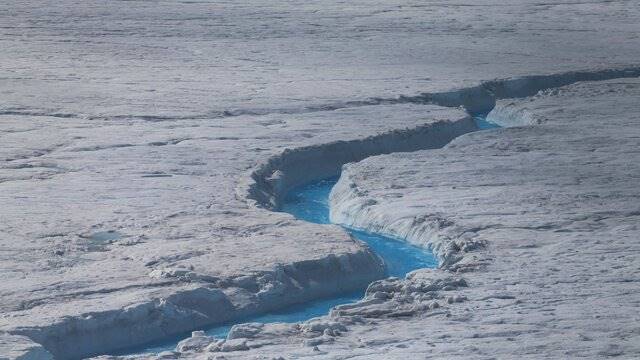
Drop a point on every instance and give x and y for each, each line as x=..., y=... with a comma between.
x=311, y=203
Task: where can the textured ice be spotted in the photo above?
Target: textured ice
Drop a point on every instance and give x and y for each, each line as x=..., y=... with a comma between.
x=175, y=236
x=542, y=220
x=143, y=145
x=538, y=245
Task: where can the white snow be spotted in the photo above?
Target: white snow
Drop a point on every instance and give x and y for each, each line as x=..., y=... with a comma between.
x=540, y=228
x=542, y=218
x=127, y=244
x=144, y=144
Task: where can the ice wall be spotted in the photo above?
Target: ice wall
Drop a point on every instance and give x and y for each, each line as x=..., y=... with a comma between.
x=199, y=307
x=269, y=183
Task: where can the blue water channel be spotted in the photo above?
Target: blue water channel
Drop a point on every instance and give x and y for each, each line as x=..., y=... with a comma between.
x=311, y=203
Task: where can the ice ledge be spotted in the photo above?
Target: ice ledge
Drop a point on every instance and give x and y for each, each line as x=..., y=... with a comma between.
x=422, y=291
x=267, y=185
x=200, y=305
x=482, y=98
x=350, y=206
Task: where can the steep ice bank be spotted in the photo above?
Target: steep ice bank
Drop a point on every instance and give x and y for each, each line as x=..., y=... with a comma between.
x=423, y=291
x=199, y=306
x=271, y=181
x=556, y=204
x=290, y=314
x=266, y=185
x=311, y=203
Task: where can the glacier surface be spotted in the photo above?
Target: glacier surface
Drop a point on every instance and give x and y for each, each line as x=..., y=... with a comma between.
x=144, y=145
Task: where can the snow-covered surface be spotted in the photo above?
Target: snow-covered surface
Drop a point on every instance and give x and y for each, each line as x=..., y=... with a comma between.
x=121, y=214
x=165, y=59
x=142, y=144
x=540, y=227
x=553, y=210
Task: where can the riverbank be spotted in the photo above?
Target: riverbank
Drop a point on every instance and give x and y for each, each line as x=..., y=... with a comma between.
x=141, y=143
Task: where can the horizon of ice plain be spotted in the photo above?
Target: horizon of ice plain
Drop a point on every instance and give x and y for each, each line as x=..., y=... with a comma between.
x=147, y=148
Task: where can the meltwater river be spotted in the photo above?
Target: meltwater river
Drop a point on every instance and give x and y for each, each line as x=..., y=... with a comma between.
x=310, y=202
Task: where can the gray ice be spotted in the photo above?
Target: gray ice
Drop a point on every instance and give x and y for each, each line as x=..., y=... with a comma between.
x=144, y=145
